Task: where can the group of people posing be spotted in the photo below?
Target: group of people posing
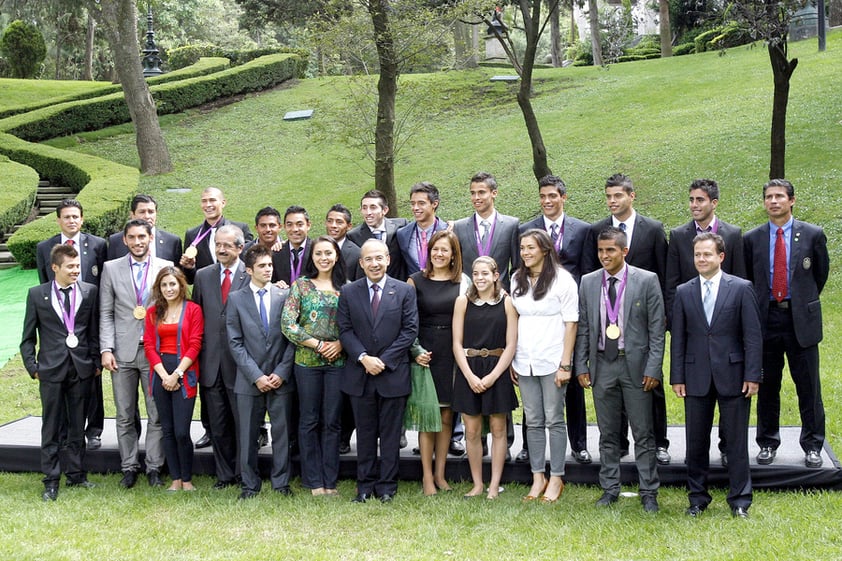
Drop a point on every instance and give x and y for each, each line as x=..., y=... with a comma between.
x=418, y=324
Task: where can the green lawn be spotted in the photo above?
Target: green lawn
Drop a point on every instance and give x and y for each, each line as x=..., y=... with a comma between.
x=15, y=93
x=664, y=122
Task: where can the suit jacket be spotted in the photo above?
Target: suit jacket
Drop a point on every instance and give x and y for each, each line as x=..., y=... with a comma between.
x=387, y=337
x=680, y=265
x=572, y=243
x=809, y=265
x=643, y=328
x=282, y=269
x=167, y=246
x=505, y=246
x=648, y=249
x=205, y=253
x=256, y=353
x=190, y=345
x=41, y=324
x=405, y=239
x=726, y=353
x=207, y=293
x=351, y=258
x=360, y=233
x=119, y=331
x=91, y=251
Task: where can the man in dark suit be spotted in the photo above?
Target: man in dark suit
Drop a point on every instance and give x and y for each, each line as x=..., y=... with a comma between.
x=647, y=250
x=62, y=318
x=487, y=232
x=620, y=352
x=424, y=199
x=297, y=252
x=374, y=209
x=264, y=381
x=378, y=322
x=91, y=249
x=338, y=223
x=788, y=263
x=716, y=357
x=165, y=245
x=212, y=286
x=568, y=235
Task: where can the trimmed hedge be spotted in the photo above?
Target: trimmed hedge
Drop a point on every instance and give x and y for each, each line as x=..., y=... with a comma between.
x=200, y=68
x=174, y=97
x=189, y=54
x=684, y=49
x=20, y=185
x=107, y=197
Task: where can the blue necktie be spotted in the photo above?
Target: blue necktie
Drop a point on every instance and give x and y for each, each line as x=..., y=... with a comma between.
x=264, y=317
x=708, y=301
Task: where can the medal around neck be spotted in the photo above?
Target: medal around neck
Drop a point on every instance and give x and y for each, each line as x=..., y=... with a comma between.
x=612, y=331
x=139, y=312
x=71, y=341
x=191, y=252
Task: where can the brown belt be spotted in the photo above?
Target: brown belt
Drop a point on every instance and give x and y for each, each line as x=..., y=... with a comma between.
x=483, y=352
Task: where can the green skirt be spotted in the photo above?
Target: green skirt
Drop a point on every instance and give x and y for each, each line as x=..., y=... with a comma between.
x=422, y=408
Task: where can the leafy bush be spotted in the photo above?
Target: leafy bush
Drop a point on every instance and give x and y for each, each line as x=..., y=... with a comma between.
x=684, y=49
x=24, y=48
x=632, y=58
x=722, y=37
x=189, y=54
x=20, y=185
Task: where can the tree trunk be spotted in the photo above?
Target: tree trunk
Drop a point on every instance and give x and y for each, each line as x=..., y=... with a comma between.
x=555, y=36
x=593, y=19
x=782, y=70
x=835, y=13
x=532, y=25
x=119, y=18
x=89, y=49
x=664, y=24
x=387, y=88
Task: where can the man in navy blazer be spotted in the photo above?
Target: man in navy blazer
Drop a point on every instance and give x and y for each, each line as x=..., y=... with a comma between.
x=264, y=381
x=568, y=235
x=164, y=245
x=716, y=357
x=374, y=207
x=412, y=238
x=62, y=319
x=378, y=322
x=791, y=315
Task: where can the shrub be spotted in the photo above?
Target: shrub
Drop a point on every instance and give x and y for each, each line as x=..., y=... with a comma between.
x=722, y=37
x=24, y=48
x=189, y=54
x=684, y=49
x=20, y=185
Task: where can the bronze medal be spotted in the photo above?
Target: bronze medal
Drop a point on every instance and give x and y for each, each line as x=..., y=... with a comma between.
x=139, y=312
x=191, y=252
x=612, y=331
x=71, y=341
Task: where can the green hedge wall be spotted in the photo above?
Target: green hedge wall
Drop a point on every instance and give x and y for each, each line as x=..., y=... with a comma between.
x=20, y=185
x=173, y=97
x=109, y=188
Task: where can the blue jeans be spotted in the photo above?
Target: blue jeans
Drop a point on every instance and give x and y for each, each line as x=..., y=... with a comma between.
x=319, y=424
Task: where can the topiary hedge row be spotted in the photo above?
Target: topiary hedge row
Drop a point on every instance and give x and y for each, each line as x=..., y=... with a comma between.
x=20, y=185
x=94, y=114
x=109, y=189
x=189, y=54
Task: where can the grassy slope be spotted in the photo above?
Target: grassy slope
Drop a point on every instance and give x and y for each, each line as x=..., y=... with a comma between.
x=14, y=93
x=664, y=122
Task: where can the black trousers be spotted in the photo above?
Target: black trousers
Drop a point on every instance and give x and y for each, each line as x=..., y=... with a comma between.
x=63, y=428
x=221, y=404
x=378, y=417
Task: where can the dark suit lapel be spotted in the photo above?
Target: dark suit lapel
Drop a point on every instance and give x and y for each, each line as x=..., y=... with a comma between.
x=794, y=248
x=629, y=294
x=240, y=278
x=697, y=308
x=388, y=300
x=640, y=230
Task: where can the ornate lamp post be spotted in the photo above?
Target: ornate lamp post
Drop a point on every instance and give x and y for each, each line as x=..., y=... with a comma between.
x=151, y=60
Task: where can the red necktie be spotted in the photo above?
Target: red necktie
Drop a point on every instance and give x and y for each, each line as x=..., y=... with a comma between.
x=69, y=242
x=779, y=268
x=226, y=285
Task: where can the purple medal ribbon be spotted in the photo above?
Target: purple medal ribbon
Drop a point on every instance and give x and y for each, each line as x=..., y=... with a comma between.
x=484, y=249
x=69, y=319
x=613, y=313
x=295, y=272
x=205, y=234
x=139, y=292
x=422, y=248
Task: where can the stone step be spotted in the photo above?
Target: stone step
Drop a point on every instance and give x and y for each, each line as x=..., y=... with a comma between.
x=57, y=197
x=9, y=265
x=55, y=190
x=6, y=257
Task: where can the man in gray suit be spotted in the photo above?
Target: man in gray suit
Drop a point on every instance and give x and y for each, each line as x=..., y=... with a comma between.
x=619, y=353
x=264, y=371
x=487, y=232
x=124, y=293
x=211, y=288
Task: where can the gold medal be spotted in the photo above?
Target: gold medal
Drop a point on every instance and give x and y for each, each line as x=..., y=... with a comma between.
x=139, y=312
x=71, y=341
x=191, y=252
x=612, y=331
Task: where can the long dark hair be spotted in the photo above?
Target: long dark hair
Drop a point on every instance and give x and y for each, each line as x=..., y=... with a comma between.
x=549, y=267
x=338, y=276
x=158, y=300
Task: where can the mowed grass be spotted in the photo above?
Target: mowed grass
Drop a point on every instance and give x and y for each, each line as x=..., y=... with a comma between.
x=663, y=122
x=15, y=93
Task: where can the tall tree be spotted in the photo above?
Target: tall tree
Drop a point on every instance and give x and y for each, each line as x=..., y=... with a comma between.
x=120, y=22
x=664, y=25
x=555, y=35
x=596, y=43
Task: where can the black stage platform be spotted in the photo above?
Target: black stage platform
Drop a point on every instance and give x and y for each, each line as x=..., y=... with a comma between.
x=20, y=451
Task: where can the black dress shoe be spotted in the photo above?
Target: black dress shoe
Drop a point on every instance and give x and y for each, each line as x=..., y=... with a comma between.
x=650, y=503
x=607, y=499
x=219, y=485
x=344, y=448
x=813, y=459
x=416, y=451
x=361, y=498
x=522, y=457
x=154, y=478
x=456, y=448
x=94, y=443
x=662, y=455
x=49, y=494
x=739, y=512
x=204, y=441
x=387, y=497
x=724, y=457
x=582, y=456
x=262, y=437
x=82, y=483
x=285, y=491
x=129, y=479
x=695, y=511
x=246, y=494
x=766, y=456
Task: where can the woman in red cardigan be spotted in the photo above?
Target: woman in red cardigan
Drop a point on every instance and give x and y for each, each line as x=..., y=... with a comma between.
x=172, y=340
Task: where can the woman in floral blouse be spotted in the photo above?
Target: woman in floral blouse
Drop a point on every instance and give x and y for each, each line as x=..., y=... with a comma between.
x=309, y=322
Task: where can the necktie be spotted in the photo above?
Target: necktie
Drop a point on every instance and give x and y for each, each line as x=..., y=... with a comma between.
x=226, y=286
x=612, y=346
x=485, y=225
x=554, y=232
x=66, y=292
x=422, y=255
x=296, y=256
x=622, y=226
x=708, y=301
x=71, y=243
x=378, y=234
x=139, y=280
x=779, y=268
x=375, y=300
x=264, y=317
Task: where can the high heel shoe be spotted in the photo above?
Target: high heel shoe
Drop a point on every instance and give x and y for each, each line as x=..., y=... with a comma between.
x=529, y=498
x=546, y=499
